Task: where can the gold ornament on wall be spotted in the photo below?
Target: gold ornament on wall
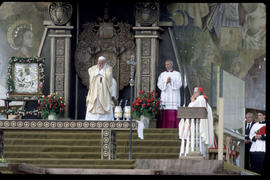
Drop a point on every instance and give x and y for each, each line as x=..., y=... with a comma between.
x=109, y=38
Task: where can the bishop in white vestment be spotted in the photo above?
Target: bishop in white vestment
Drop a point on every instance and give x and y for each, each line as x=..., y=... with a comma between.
x=169, y=82
x=99, y=97
x=206, y=130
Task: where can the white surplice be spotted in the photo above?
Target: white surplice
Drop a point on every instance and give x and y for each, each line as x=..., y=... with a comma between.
x=170, y=92
x=258, y=145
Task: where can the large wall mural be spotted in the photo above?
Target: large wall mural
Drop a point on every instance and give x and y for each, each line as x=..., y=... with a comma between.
x=21, y=29
x=231, y=35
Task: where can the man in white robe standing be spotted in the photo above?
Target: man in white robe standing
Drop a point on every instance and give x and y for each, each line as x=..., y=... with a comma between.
x=169, y=82
x=99, y=97
x=206, y=130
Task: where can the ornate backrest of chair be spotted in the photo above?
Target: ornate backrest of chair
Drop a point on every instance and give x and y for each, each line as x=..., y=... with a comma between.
x=111, y=39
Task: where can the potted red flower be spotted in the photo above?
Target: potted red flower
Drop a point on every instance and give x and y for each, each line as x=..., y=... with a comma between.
x=146, y=104
x=51, y=105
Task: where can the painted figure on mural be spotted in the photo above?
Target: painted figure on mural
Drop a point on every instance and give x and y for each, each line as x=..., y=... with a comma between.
x=254, y=28
x=169, y=82
x=99, y=97
x=21, y=38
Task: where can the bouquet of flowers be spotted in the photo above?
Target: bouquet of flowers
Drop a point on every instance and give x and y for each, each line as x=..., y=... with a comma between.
x=147, y=104
x=52, y=103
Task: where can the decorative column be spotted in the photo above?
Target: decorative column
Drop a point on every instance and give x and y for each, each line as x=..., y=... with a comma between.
x=60, y=34
x=147, y=35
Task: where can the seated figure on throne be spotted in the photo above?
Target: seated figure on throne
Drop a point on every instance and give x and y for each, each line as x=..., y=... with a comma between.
x=99, y=98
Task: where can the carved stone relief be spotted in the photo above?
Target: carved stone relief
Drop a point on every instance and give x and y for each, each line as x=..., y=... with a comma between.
x=146, y=47
x=146, y=83
x=60, y=65
x=108, y=38
x=146, y=66
x=147, y=13
x=60, y=44
x=59, y=83
x=60, y=12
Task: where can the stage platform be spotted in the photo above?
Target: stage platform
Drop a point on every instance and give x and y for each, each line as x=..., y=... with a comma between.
x=97, y=147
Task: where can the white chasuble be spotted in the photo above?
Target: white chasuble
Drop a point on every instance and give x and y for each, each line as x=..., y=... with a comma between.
x=99, y=97
x=170, y=92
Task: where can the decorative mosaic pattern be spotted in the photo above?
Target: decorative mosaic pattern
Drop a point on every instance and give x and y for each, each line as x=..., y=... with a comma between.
x=65, y=124
x=106, y=144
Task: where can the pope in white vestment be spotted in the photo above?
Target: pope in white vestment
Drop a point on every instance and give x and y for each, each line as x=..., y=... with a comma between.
x=99, y=97
x=169, y=82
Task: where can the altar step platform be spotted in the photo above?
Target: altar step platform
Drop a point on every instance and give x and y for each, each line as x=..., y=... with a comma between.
x=82, y=149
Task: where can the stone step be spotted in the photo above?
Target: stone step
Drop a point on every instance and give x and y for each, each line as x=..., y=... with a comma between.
x=148, y=136
x=71, y=162
x=56, y=155
x=50, y=148
x=151, y=149
x=147, y=155
x=145, y=142
x=71, y=142
x=102, y=171
x=191, y=157
x=53, y=135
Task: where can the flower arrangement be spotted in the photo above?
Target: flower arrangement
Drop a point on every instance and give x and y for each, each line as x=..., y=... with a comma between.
x=146, y=104
x=20, y=112
x=53, y=103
